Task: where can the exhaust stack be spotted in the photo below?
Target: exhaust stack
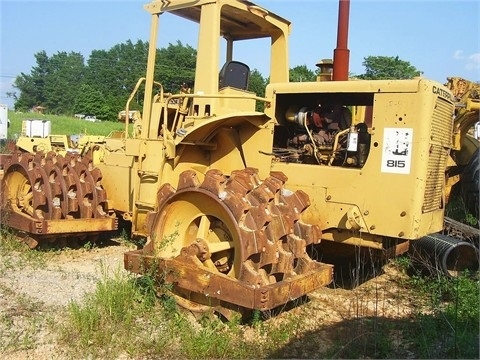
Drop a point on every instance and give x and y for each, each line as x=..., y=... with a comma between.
x=341, y=55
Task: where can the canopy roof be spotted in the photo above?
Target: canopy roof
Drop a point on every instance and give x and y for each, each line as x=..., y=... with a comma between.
x=240, y=19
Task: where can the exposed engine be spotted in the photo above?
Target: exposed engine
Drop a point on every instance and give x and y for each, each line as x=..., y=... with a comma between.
x=307, y=140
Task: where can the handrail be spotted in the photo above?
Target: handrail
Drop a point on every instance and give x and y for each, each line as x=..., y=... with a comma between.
x=130, y=98
x=127, y=105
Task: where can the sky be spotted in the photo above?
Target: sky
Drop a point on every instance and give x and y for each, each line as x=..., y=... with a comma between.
x=441, y=38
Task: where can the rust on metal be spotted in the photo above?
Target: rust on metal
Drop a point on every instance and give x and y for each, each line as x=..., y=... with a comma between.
x=185, y=272
x=235, y=239
x=24, y=222
x=341, y=54
x=47, y=194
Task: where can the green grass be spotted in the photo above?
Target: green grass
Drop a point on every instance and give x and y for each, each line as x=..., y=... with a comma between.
x=451, y=330
x=457, y=210
x=123, y=316
x=16, y=254
x=63, y=125
x=20, y=308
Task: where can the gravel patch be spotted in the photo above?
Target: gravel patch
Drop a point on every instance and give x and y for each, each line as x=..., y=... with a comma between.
x=65, y=277
x=34, y=296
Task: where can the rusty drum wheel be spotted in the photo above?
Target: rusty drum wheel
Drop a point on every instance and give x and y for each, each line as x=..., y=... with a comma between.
x=192, y=215
x=40, y=187
x=26, y=187
x=243, y=227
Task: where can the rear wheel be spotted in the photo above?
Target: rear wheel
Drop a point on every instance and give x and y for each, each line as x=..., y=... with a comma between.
x=27, y=189
x=40, y=187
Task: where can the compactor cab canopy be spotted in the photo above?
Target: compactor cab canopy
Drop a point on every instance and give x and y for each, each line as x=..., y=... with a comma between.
x=232, y=20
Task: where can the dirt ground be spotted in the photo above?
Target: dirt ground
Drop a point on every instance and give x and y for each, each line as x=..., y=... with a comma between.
x=34, y=298
x=34, y=295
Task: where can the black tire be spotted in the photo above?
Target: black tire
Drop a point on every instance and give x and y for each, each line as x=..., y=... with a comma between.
x=470, y=184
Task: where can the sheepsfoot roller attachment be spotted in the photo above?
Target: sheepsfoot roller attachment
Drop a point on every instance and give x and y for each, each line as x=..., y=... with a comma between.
x=50, y=197
x=231, y=243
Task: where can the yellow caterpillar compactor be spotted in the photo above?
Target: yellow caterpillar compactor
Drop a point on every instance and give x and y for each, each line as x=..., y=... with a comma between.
x=233, y=202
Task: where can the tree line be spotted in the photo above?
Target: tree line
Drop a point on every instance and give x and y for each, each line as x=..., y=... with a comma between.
x=66, y=84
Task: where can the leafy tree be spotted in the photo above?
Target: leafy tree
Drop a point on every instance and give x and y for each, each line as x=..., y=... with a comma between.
x=90, y=101
x=62, y=84
x=175, y=66
x=28, y=94
x=301, y=73
x=32, y=87
x=387, y=67
x=257, y=84
x=115, y=72
x=53, y=83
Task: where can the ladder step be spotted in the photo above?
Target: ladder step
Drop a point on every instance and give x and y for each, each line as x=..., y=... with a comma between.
x=147, y=173
x=145, y=204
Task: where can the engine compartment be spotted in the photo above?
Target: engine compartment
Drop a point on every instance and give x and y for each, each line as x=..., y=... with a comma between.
x=323, y=129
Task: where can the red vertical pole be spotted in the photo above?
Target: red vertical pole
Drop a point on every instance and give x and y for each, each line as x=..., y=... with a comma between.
x=341, y=55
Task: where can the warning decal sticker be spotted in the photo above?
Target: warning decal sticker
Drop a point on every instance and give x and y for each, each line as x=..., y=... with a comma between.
x=397, y=150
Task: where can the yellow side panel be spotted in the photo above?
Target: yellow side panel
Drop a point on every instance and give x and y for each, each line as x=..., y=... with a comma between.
x=118, y=170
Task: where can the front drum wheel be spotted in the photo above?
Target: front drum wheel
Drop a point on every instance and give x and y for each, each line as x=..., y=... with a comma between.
x=195, y=214
x=242, y=227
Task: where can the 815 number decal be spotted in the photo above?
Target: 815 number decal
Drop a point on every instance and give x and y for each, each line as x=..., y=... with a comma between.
x=396, y=163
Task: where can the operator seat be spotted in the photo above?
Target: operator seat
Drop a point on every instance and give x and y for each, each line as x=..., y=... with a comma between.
x=235, y=74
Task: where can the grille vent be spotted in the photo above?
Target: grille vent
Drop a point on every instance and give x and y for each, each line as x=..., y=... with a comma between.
x=440, y=144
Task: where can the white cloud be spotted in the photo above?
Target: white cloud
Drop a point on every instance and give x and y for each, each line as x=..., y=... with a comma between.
x=474, y=58
x=458, y=55
x=473, y=62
